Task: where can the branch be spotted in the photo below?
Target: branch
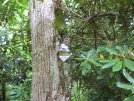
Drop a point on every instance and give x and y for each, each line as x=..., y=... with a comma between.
x=104, y=30
x=57, y=3
x=113, y=31
x=116, y=14
x=95, y=29
x=95, y=41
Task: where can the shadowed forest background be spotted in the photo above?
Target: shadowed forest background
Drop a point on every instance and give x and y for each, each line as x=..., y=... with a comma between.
x=101, y=41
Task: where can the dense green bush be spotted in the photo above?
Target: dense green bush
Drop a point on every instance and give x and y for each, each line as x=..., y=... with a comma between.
x=15, y=51
x=15, y=66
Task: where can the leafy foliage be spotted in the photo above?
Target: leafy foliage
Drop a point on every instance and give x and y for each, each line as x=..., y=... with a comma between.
x=102, y=46
x=106, y=71
x=15, y=45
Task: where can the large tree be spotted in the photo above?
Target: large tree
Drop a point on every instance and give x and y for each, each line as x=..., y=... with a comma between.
x=46, y=81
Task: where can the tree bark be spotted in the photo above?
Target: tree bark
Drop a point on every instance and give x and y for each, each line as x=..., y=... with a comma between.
x=46, y=82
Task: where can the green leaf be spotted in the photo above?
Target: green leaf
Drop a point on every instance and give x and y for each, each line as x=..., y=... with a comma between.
x=111, y=82
x=129, y=64
x=101, y=48
x=79, y=59
x=110, y=64
x=59, y=22
x=112, y=51
x=86, y=66
x=106, y=60
x=84, y=71
x=83, y=56
x=118, y=48
x=102, y=73
x=130, y=98
x=91, y=52
x=125, y=86
x=95, y=63
x=132, y=57
x=20, y=1
x=117, y=76
x=128, y=77
x=111, y=74
x=21, y=4
x=117, y=66
x=101, y=76
x=42, y=0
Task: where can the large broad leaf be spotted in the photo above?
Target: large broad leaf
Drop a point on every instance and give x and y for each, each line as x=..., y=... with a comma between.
x=117, y=76
x=84, y=70
x=109, y=64
x=86, y=66
x=102, y=73
x=95, y=63
x=118, y=48
x=130, y=98
x=111, y=82
x=128, y=77
x=91, y=52
x=83, y=56
x=129, y=64
x=126, y=86
x=101, y=76
x=106, y=60
x=112, y=51
x=117, y=66
x=101, y=48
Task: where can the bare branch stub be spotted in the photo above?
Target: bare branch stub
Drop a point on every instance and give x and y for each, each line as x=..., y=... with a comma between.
x=58, y=3
x=116, y=14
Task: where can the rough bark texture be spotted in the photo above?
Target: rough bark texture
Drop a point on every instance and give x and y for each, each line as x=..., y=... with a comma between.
x=46, y=83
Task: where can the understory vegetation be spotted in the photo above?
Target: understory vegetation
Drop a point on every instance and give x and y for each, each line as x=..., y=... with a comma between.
x=101, y=41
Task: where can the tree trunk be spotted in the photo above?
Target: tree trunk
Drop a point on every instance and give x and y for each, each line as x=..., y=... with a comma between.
x=46, y=80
